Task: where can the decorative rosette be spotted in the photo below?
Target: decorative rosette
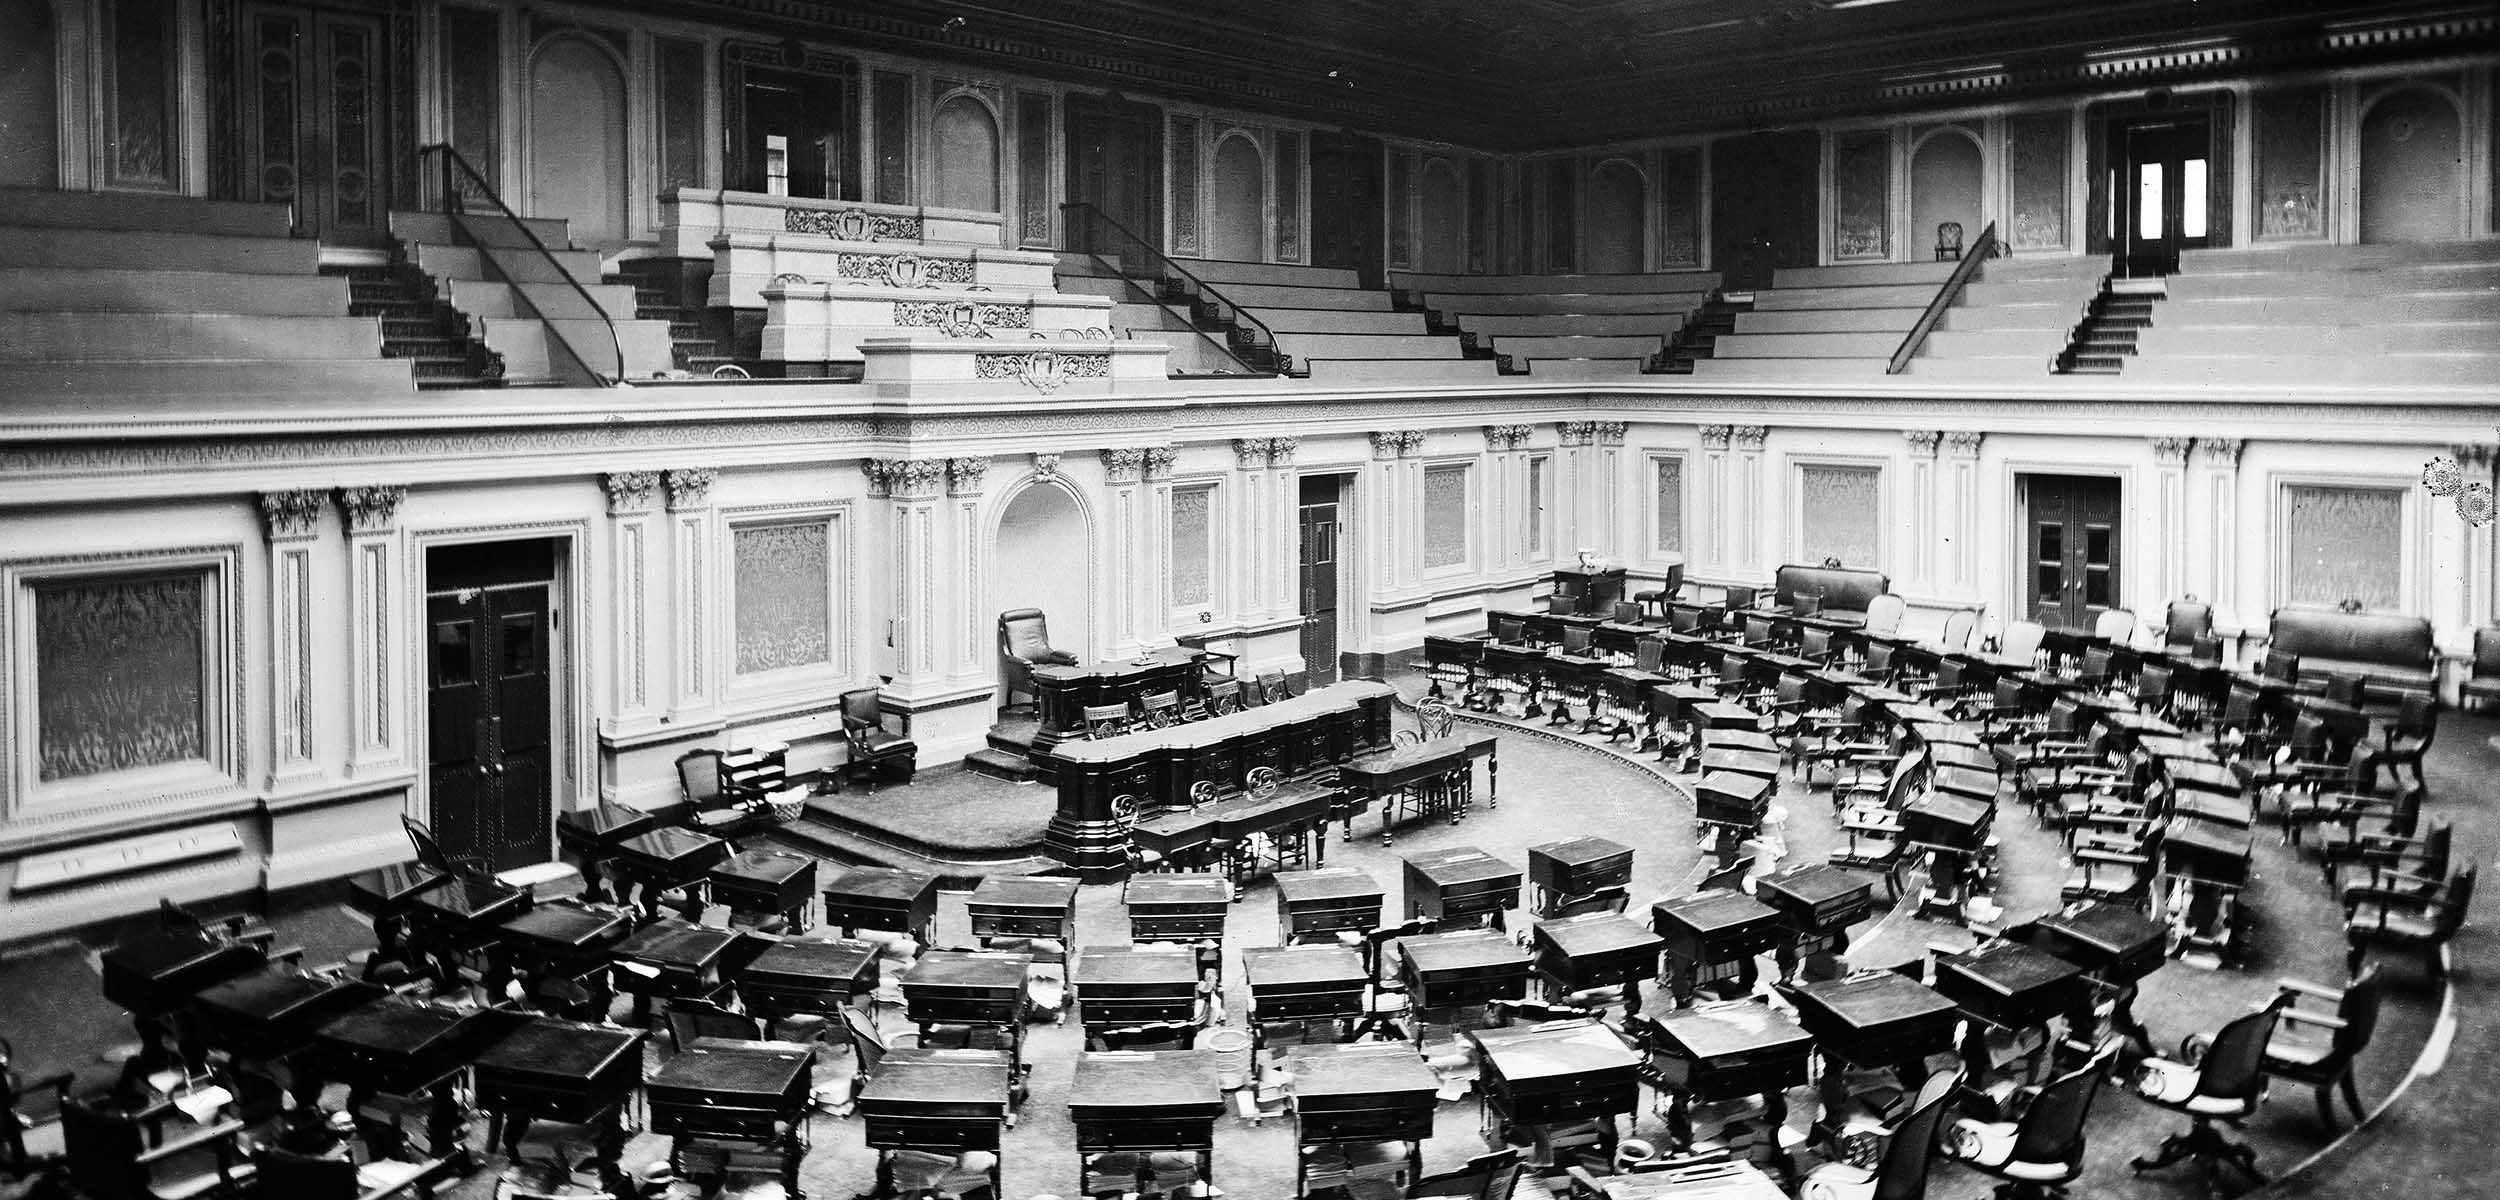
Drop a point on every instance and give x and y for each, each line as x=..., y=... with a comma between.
x=2442, y=476
x=2474, y=503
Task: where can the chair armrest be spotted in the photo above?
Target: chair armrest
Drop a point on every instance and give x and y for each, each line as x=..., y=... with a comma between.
x=2306, y=988
x=210, y=1136
x=2359, y=894
x=2089, y=854
x=2296, y=1016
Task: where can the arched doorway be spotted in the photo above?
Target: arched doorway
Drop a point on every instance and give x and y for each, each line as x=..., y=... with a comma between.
x=1240, y=197
x=1443, y=230
x=577, y=139
x=967, y=155
x=1944, y=187
x=2412, y=185
x=30, y=126
x=1612, y=240
x=1043, y=558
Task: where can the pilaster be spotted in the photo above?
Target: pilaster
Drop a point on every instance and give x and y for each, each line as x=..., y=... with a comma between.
x=1395, y=527
x=2476, y=556
x=960, y=588
x=1962, y=531
x=1252, y=537
x=377, y=612
x=2170, y=526
x=694, y=600
x=1283, y=526
x=1920, y=567
x=2213, y=512
x=1507, y=503
x=1123, y=470
x=1748, y=440
x=1719, y=517
x=1616, y=523
x=1154, y=582
x=914, y=490
x=630, y=497
x=291, y=524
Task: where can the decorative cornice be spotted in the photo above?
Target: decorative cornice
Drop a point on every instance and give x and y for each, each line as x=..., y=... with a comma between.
x=290, y=516
x=1609, y=433
x=1714, y=437
x=1963, y=444
x=1046, y=464
x=1159, y=460
x=2170, y=451
x=1123, y=464
x=1505, y=437
x=2220, y=452
x=1922, y=442
x=964, y=476
x=371, y=509
x=1748, y=438
x=630, y=491
x=1280, y=450
x=689, y=487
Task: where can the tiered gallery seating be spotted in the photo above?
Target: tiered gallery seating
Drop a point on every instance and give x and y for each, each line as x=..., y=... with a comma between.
x=1594, y=323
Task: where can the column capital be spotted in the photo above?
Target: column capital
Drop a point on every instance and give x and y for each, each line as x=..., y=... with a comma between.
x=1122, y=464
x=1922, y=442
x=1384, y=444
x=689, y=487
x=1714, y=437
x=964, y=476
x=1574, y=433
x=1609, y=433
x=629, y=491
x=1505, y=437
x=1410, y=442
x=1046, y=464
x=1963, y=443
x=1159, y=460
x=2221, y=453
x=1250, y=454
x=373, y=509
x=1749, y=437
x=914, y=479
x=2170, y=451
x=290, y=516
x=1280, y=450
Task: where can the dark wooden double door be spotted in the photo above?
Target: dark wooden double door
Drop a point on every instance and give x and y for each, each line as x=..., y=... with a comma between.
x=2161, y=192
x=489, y=691
x=1115, y=163
x=314, y=99
x=1322, y=533
x=2071, y=543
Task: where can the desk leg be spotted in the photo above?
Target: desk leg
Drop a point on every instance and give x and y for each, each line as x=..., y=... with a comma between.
x=442, y=1125
x=1834, y=1093
x=1680, y=1119
x=1775, y=1121
x=1493, y=779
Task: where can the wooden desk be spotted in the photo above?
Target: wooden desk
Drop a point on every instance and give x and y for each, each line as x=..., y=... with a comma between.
x=1062, y=693
x=1575, y=867
x=1146, y=1102
x=666, y=859
x=1177, y=908
x=2008, y=985
x=1721, y=1051
x=719, y=1089
x=1024, y=906
x=393, y=1046
x=1358, y=1093
x=1475, y=966
x=590, y=837
x=967, y=987
x=2114, y=942
x=808, y=977
x=887, y=899
x=1460, y=883
x=941, y=1102
x=1320, y=904
x=1119, y=986
x=1390, y=778
x=1712, y=935
x=766, y=883
x=1304, y=983
x=1817, y=904
x=1595, y=950
x=1874, y=1019
x=1555, y=1073
x=269, y=1014
x=159, y=972
x=563, y=1072
x=677, y=961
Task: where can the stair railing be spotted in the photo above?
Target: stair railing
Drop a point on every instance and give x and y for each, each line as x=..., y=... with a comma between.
x=460, y=182
x=1979, y=252
x=1088, y=231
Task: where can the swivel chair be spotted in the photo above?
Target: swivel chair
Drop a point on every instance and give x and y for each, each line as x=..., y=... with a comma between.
x=1902, y=1173
x=2397, y=920
x=1024, y=643
x=876, y=750
x=2482, y=685
x=2186, y=621
x=2318, y=1048
x=2040, y=1154
x=18, y=1115
x=2409, y=736
x=1883, y=616
x=2225, y=1083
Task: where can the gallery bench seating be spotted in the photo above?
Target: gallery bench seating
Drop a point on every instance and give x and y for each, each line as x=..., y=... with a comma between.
x=2392, y=654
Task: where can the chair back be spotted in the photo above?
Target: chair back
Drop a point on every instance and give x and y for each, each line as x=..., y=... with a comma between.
x=2235, y=1066
x=2052, y=1128
x=1948, y=241
x=2417, y=716
x=2022, y=640
x=1561, y=604
x=1509, y=629
x=2487, y=652
x=1104, y=720
x=102, y=1149
x=429, y=852
x=2437, y=842
x=1728, y=878
x=2452, y=906
x=2205, y=648
x=304, y=1177
x=1815, y=644
x=698, y=777
x=2358, y=1010
x=692, y=1019
x=1024, y=635
x=1435, y=718
x=1627, y=612
x=1791, y=690
x=2114, y=626
x=1884, y=613
x=865, y=1044
x=2186, y=621
x=1684, y=620
x=1575, y=640
x=1272, y=687
x=1878, y=659
x=1735, y=599
x=1160, y=709
x=2281, y=665
x=1223, y=696
x=1957, y=627
x=1757, y=629
x=1492, y=1176
x=862, y=710
x=2153, y=684
x=1647, y=653
x=2097, y=661
x=1672, y=584
x=1903, y=1172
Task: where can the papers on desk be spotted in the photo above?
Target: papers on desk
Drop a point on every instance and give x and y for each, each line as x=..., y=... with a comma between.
x=202, y=1104
x=388, y=1173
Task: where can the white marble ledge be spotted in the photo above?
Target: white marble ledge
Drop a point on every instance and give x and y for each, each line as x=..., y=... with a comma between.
x=1033, y=367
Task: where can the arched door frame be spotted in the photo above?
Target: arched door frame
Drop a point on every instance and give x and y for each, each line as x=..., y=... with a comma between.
x=1266, y=218
x=1455, y=168
x=1642, y=213
x=2359, y=99
x=1913, y=245
x=994, y=106
x=636, y=183
x=1098, y=599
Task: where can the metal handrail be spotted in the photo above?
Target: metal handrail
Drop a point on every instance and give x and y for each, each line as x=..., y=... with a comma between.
x=454, y=205
x=1158, y=257
x=1978, y=253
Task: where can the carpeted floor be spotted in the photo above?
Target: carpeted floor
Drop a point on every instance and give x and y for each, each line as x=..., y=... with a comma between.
x=1549, y=790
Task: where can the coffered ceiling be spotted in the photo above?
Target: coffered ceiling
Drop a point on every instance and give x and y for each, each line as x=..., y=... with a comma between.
x=1536, y=74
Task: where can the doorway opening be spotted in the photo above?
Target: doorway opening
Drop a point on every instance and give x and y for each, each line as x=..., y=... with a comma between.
x=2071, y=532
x=493, y=664
x=1322, y=537
x=2162, y=191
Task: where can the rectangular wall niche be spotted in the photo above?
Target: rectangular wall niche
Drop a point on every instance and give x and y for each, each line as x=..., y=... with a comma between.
x=1839, y=514
x=2343, y=543
x=120, y=673
x=1670, y=513
x=1862, y=194
x=784, y=596
x=1445, y=516
x=1192, y=510
x=2035, y=153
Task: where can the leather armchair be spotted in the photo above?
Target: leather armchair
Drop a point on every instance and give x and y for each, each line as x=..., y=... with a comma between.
x=1024, y=642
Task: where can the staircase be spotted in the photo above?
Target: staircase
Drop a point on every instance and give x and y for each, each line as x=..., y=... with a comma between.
x=693, y=343
x=1700, y=335
x=1008, y=755
x=419, y=325
x=2105, y=339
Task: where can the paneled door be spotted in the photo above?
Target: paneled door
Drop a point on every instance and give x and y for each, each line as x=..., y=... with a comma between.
x=1762, y=205
x=2070, y=537
x=1321, y=535
x=315, y=110
x=1348, y=225
x=487, y=692
x=2161, y=200
x=1115, y=163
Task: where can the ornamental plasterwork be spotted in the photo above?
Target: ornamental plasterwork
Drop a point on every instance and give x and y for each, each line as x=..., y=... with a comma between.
x=290, y=516
x=1714, y=437
x=1250, y=454
x=962, y=318
x=689, y=487
x=1748, y=438
x=1159, y=460
x=1280, y=449
x=1922, y=442
x=630, y=491
x=2221, y=452
x=914, y=479
x=1044, y=371
x=1410, y=441
x=370, y=509
x=2170, y=451
x=1122, y=464
x=850, y=224
x=1046, y=464
x=880, y=475
x=1505, y=437
x=1573, y=433
x=902, y=270
x=964, y=476
x=1609, y=433
x=1384, y=444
